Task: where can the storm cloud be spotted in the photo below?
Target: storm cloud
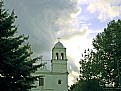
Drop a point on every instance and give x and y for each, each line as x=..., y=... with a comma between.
x=42, y=19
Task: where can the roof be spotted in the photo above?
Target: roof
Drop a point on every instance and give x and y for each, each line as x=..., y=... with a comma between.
x=59, y=45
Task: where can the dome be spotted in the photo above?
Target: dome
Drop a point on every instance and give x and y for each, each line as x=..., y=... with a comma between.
x=59, y=45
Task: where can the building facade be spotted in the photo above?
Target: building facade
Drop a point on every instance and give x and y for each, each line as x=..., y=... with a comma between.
x=55, y=79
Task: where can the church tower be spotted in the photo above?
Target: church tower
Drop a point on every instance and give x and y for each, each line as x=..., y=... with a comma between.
x=59, y=60
x=59, y=67
x=56, y=78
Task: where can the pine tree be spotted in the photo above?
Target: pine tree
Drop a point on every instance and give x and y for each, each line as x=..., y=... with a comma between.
x=16, y=63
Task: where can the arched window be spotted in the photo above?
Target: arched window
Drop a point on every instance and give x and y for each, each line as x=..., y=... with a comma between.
x=57, y=56
x=62, y=56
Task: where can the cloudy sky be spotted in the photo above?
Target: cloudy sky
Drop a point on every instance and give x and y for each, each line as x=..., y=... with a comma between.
x=76, y=22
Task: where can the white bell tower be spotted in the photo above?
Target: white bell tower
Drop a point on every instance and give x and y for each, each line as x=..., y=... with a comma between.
x=55, y=79
x=59, y=60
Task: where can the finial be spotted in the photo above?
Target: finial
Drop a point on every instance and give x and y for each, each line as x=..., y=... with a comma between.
x=58, y=39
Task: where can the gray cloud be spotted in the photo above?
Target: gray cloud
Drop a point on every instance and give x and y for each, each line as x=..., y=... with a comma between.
x=43, y=20
x=38, y=19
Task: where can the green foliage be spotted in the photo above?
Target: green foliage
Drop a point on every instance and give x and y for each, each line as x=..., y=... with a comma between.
x=89, y=74
x=88, y=66
x=104, y=62
x=86, y=85
x=108, y=52
x=16, y=64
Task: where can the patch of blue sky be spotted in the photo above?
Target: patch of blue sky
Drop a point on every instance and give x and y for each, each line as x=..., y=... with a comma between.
x=90, y=19
x=98, y=29
x=92, y=22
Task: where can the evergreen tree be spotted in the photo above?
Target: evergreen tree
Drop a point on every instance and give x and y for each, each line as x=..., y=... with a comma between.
x=16, y=64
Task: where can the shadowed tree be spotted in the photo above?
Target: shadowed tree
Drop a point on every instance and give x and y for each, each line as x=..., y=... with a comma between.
x=16, y=63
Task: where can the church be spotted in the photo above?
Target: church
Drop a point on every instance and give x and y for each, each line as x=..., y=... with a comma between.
x=55, y=79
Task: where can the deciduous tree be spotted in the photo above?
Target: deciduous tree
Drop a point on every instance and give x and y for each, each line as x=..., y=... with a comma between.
x=108, y=53
x=102, y=65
